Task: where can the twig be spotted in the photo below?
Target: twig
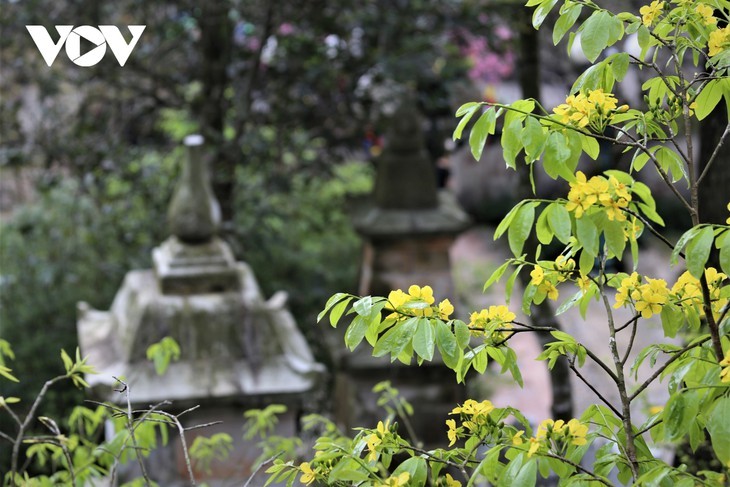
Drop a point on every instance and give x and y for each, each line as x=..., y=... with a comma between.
x=575, y=370
x=181, y=431
x=631, y=342
x=26, y=423
x=661, y=369
x=706, y=170
x=261, y=465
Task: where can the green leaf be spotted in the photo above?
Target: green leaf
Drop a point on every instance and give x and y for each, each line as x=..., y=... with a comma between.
x=725, y=253
x=708, y=98
x=559, y=219
x=356, y=332
x=587, y=234
x=511, y=142
x=614, y=233
x=565, y=22
x=541, y=12
x=527, y=477
x=416, y=467
x=478, y=137
x=465, y=120
x=466, y=107
x=586, y=262
x=496, y=276
x=533, y=138
x=671, y=162
x=507, y=220
x=520, y=227
x=686, y=236
x=446, y=342
x=590, y=146
x=330, y=302
x=542, y=228
x=718, y=426
x=555, y=157
x=620, y=65
x=337, y=311
x=423, y=340
x=395, y=340
x=698, y=251
x=595, y=34
x=672, y=319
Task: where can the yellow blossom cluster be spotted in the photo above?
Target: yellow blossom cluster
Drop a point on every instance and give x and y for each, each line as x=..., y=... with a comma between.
x=687, y=291
x=706, y=14
x=474, y=415
x=648, y=298
x=484, y=323
x=418, y=301
x=376, y=438
x=607, y=193
x=650, y=12
x=725, y=372
x=546, y=275
x=554, y=433
x=594, y=110
x=718, y=41
x=449, y=481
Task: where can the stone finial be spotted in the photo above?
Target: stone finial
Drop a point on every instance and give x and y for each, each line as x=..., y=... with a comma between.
x=405, y=178
x=194, y=213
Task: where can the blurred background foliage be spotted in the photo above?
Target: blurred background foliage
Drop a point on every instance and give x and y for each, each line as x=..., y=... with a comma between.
x=292, y=98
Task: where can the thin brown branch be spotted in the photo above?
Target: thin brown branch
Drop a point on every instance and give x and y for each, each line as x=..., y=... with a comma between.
x=661, y=369
x=713, y=157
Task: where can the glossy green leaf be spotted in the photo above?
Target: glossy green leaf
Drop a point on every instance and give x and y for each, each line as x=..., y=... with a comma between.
x=594, y=34
x=416, y=467
x=708, y=98
x=520, y=227
x=718, y=426
x=356, y=332
x=423, y=340
x=479, y=132
x=338, y=310
x=465, y=120
x=725, y=253
x=698, y=251
x=446, y=343
x=559, y=219
x=565, y=22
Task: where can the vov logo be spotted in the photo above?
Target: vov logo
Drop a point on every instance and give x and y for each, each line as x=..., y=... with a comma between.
x=71, y=36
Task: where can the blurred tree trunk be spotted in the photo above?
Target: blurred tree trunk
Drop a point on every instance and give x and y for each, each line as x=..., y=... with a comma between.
x=542, y=315
x=211, y=106
x=713, y=196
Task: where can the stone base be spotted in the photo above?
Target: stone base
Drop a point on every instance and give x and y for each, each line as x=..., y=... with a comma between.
x=195, y=269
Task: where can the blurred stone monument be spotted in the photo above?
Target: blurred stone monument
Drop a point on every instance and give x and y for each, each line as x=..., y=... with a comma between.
x=238, y=350
x=407, y=229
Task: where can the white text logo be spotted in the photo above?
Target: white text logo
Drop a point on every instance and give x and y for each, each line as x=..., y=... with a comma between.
x=99, y=37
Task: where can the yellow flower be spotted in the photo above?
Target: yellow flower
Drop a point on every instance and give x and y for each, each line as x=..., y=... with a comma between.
x=372, y=443
x=656, y=409
x=650, y=12
x=537, y=275
x=549, y=289
x=473, y=408
x=706, y=12
x=577, y=432
x=425, y=293
x=450, y=482
x=452, y=431
x=650, y=297
x=500, y=313
x=308, y=475
x=628, y=285
x=401, y=479
x=718, y=41
x=517, y=438
x=725, y=372
x=535, y=445
x=728, y=209
x=445, y=309
x=584, y=283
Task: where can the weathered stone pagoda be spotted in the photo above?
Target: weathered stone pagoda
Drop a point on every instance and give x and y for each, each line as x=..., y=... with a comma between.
x=408, y=229
x=238, y=350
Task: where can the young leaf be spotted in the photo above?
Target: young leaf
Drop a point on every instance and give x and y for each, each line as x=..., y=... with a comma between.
x=478, y=137
x=698, y=251
x=423, y=339
x=520, y=228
